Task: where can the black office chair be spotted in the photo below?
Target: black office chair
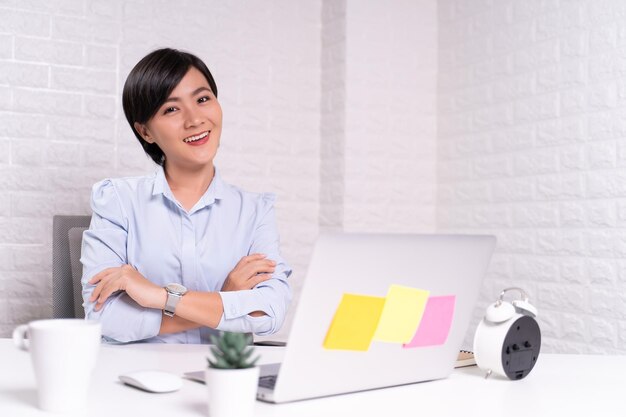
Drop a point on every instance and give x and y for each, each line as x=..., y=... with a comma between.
x=67, y=237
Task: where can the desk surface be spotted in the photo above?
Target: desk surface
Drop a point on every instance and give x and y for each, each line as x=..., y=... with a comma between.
x=560, y=385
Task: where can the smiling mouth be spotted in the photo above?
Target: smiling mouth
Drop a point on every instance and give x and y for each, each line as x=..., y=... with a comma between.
x=196, y=138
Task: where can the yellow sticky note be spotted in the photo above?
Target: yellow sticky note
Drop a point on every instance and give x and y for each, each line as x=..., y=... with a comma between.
x=404, y=307
x=354, y=322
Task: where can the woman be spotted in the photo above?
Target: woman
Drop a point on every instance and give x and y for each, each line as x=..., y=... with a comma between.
x=172, y=255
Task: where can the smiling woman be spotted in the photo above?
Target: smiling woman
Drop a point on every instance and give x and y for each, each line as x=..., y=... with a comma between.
x=171, y=256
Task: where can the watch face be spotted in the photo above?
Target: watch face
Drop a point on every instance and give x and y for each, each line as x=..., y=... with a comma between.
x=176, y=288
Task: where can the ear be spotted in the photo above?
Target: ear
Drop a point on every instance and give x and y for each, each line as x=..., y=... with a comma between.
x=143, y=131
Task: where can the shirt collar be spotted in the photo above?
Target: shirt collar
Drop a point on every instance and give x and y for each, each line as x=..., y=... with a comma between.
x=213, y=193
x=160, y=183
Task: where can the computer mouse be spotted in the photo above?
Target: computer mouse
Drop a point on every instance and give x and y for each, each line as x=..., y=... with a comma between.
x=153, y=381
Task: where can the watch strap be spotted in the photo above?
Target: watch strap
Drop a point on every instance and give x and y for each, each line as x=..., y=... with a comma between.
x=170, y=303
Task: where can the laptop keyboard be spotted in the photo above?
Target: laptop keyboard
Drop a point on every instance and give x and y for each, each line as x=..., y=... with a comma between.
x=268, y=381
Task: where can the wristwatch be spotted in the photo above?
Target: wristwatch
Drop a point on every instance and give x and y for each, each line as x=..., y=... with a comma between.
x=174, y=294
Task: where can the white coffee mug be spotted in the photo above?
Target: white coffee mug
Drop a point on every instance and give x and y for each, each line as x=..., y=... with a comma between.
x=63, y=353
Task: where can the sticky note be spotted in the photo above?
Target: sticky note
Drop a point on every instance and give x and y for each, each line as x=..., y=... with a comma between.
x=354, y=322
x=401, y=315
x=436, y=321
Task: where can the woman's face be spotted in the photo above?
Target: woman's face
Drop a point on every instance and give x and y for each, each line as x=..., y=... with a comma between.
x=188, y=125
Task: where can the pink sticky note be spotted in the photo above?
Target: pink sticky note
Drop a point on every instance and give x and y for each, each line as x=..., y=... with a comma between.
x=435, y=325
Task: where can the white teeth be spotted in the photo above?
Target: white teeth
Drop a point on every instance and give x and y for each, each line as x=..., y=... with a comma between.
x=196, y=138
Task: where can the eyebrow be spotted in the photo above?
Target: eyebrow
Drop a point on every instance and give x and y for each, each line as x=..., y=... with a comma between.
x=196, y=91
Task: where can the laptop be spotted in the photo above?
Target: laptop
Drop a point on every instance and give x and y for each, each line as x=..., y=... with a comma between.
x=376, y=311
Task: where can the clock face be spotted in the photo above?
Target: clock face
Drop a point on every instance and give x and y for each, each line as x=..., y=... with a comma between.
x=176, y=288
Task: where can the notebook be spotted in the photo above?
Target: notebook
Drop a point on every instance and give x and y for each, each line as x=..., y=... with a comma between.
x=465, y=358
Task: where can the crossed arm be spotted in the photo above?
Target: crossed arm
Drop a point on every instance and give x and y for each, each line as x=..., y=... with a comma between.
x=196, y=308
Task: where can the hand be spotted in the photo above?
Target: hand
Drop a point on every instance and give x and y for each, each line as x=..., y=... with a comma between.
x=126, y=278
x=249, y=271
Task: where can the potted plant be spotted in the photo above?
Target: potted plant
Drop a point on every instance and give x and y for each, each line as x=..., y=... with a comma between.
x=231, y=376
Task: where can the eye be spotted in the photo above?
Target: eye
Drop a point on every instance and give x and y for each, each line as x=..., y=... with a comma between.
x=169, y=110
x=204, y=99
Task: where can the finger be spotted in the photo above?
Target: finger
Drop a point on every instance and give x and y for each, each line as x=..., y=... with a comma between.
x=100, y=275
x=262, y=262
x=96, y=291
x=109, y=286
x=101, y=283
x=96, y=278
x=263, y=270
x=253, y=257
x=247, y=259
x=107, y=291
x=257, y=279
x=99, y=305
x=260, y=267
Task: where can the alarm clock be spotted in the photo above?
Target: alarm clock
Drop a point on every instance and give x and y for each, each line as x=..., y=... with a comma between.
x=508, y=339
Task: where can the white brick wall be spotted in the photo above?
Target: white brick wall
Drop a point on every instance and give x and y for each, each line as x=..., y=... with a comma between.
x=378, y=116
x=502, y=117
x=390, y=120
x=63, y=64
x=531, y=148
x=62, y=67
x=333, y=115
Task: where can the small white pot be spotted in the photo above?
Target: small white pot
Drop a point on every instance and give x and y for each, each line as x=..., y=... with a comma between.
x=232, y=392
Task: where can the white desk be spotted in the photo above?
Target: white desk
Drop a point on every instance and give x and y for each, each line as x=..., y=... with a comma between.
x=560, y=385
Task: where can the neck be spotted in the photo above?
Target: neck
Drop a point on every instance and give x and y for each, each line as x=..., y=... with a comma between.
x=193, y=181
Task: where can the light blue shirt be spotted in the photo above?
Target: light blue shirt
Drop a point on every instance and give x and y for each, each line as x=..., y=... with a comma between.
x=138, y=221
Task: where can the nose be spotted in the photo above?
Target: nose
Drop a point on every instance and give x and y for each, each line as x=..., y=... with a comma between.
x=193, y=119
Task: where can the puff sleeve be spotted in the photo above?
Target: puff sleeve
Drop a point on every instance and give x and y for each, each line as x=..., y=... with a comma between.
x=104, y=246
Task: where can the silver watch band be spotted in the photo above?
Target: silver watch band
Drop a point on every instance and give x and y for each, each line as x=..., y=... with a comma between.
x=171, y=303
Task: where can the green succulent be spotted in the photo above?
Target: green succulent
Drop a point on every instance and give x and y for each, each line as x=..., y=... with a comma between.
x=232, y=351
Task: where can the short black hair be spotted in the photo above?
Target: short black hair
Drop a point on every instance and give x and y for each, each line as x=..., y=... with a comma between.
x=151, y=82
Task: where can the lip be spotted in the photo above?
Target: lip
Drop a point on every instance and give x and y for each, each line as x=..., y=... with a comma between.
x=201, y=141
